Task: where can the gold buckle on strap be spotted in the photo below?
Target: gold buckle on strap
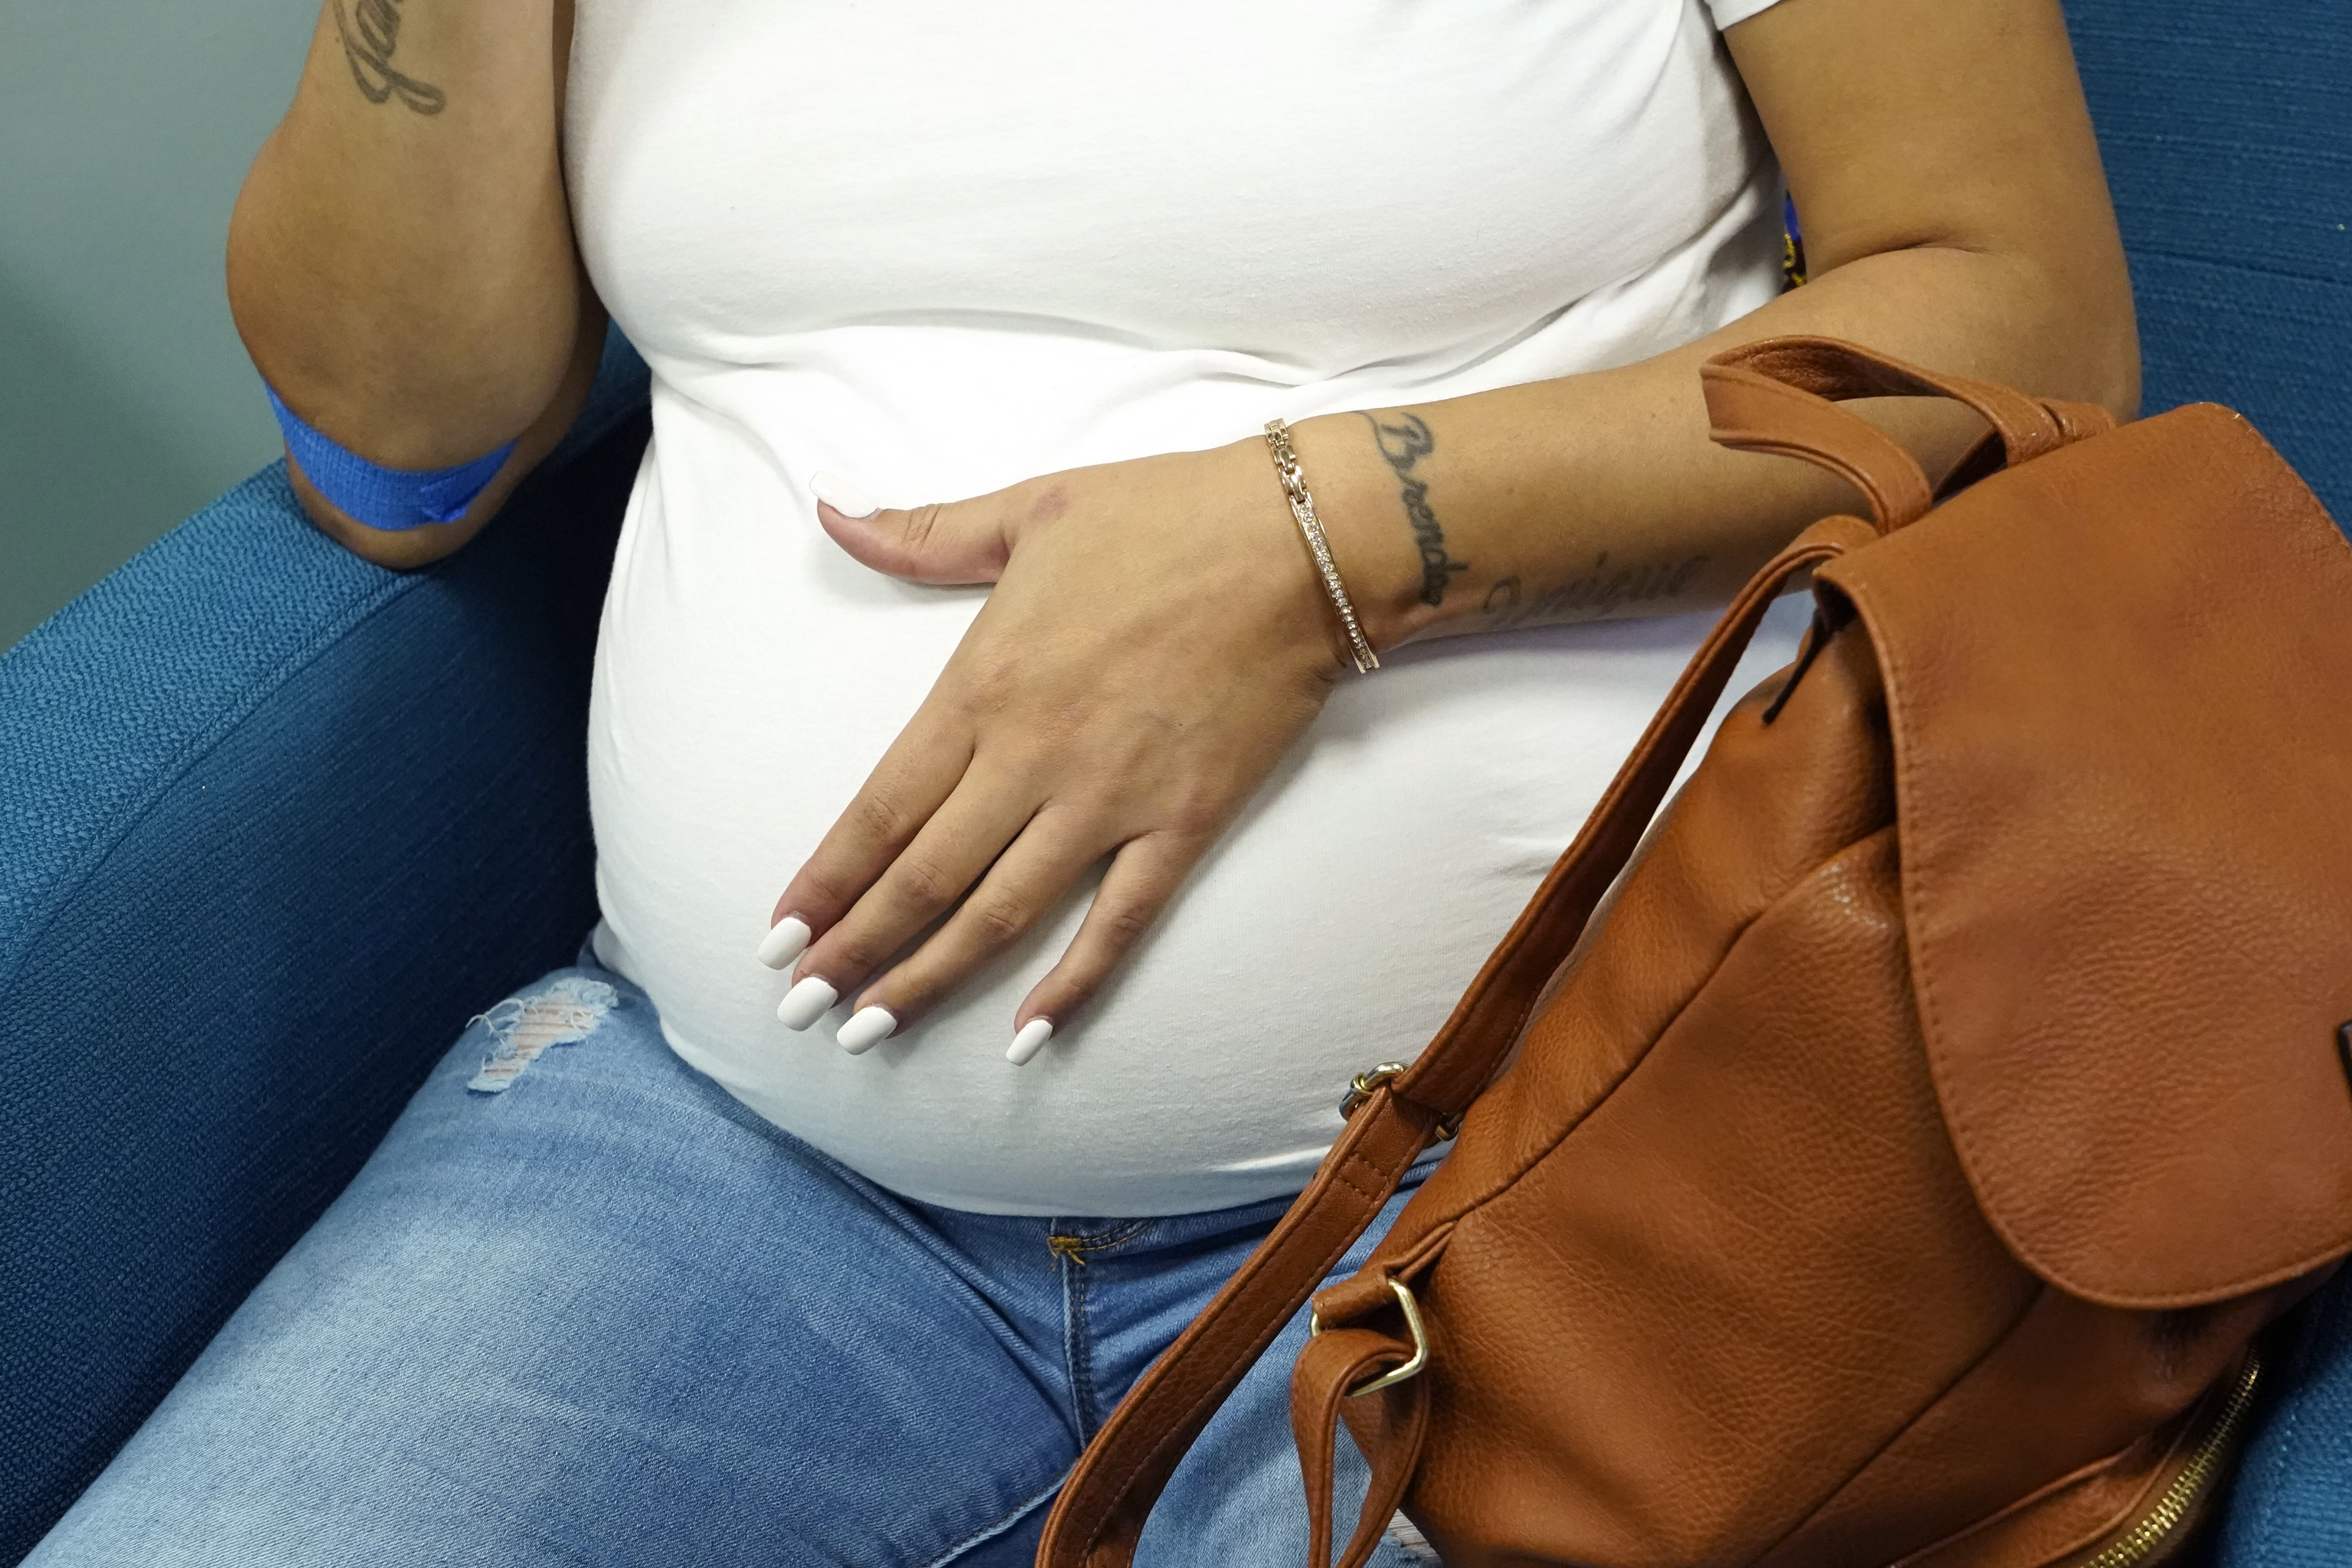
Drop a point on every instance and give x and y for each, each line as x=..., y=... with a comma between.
x=1360, y=1088
x=1395, y=1374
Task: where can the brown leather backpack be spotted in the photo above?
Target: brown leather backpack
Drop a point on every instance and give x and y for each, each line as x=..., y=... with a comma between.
x=1900, y=1166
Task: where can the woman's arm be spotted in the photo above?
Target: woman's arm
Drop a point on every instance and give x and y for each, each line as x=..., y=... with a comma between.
x=1955, y=216
x=1156, y=638
x=400, y=263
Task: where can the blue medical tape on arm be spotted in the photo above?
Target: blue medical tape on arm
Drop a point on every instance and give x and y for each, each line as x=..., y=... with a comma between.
x=381, y=497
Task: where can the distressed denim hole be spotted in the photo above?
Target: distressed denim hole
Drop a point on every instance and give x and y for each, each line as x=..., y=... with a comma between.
x=1408, y=1535
x=522, y=1026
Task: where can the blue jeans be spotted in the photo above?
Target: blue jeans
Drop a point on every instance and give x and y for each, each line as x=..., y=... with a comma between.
x=583, y=1308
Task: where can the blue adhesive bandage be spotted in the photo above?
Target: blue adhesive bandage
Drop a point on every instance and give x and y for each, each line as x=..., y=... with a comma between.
x=381, y=497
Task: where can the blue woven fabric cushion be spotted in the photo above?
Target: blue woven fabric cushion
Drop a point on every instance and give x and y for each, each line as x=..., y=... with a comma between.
x=2290, y=1506
x=273, y=823
x=2227, y=130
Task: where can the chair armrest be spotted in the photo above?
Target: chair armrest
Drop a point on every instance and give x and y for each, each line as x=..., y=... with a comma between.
x=2291, y=1505
x=274, y=822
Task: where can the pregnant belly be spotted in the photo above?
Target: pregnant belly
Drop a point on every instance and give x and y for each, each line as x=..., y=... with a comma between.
x=748, y=678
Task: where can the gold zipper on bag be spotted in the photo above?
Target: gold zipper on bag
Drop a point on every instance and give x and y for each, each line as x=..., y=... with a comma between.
x=2157, y=1526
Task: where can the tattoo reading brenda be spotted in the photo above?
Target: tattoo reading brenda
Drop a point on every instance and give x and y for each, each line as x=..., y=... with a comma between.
x=1402, y=445
x=370, y=31
x=1590, y=597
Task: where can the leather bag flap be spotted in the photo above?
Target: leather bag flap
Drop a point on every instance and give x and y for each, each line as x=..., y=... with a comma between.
x=2119, y=681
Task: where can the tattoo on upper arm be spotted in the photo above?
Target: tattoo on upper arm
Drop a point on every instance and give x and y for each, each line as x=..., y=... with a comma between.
x=1402, y=445
x=370, y=31
x=1591, y=596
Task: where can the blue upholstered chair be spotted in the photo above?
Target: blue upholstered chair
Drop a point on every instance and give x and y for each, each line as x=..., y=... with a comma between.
x=274, y=822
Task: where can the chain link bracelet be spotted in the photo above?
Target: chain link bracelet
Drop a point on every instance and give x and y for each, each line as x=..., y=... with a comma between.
x=1302, y=509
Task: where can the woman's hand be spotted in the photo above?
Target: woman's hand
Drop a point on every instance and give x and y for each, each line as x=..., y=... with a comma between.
x=1156, y=640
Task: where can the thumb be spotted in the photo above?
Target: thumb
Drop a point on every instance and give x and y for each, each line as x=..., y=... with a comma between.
x=952, y=542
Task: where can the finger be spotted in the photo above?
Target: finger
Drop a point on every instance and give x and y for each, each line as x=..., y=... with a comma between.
x=1053, y=851
x=1142, y=878
x=952, y=851
x=954, y=542
x=914, y=778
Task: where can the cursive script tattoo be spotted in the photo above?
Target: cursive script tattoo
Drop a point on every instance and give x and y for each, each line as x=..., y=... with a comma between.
x=1591, y=596
x=1402, y=445
x=370, y=31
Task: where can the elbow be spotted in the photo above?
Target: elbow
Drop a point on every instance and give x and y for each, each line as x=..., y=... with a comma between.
x=398, y=549
x=2060, y=329
x=408, y=382
x=389, y=418
x=2121, y=393
x=2105, y=367
x=2049, y=314
x=2083, y=341
x=420, y=543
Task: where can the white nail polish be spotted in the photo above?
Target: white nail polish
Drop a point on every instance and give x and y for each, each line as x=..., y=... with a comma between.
x=1029, y=1041
x=848, y=500
x=785, y=941
x=804, y=1004
x=868, y=1028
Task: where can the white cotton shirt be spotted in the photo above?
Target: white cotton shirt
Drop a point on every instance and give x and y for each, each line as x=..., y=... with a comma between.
x=941, y=246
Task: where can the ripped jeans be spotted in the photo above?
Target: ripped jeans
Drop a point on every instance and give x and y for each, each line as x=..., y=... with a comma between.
x=580, y=1307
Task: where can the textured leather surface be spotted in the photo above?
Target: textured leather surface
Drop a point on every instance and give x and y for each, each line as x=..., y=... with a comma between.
x=2127, y=868
x=1934, y=1037
x=1775, y=397
x=1343, y=1359
x=1752, y=412
x=273, y=823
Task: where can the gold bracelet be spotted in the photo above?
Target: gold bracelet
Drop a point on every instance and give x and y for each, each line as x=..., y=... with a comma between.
x=1302, y=508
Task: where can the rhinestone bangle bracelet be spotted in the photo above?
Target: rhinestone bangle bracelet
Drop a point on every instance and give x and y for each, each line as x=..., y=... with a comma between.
x=1302, y=509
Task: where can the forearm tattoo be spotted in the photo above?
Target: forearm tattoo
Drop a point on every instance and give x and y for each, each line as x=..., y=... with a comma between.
x=1592, y=596
x=1402, y=445
x=370, y=31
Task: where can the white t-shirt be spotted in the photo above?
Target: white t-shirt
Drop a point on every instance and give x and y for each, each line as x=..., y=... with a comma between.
x=939, y=247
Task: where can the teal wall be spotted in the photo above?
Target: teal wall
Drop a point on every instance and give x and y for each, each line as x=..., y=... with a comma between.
x=125, y=400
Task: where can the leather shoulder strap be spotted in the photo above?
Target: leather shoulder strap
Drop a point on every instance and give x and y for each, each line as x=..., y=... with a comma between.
x=1777, y=396
x=1101, y=1513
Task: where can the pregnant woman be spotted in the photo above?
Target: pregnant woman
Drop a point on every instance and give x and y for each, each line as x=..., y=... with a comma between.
x=1159, y=524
